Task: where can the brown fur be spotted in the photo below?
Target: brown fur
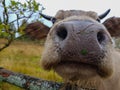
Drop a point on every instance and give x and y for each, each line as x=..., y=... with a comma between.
x=90, y=79
x=111, y=27
x=85, y=77
x=61, y=14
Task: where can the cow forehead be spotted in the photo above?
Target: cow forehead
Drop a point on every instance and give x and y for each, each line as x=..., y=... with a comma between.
x=61, y=14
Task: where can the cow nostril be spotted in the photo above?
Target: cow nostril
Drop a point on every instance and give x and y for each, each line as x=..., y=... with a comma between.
x=100, y=37
x=62, y=33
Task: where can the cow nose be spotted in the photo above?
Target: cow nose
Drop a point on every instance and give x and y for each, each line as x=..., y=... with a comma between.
x=81, y=39
x=100, y=37
x=62, y=32
x=67, y=29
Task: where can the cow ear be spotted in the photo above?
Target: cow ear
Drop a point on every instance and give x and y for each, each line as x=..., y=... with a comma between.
x=113, y=26
x=36, y=30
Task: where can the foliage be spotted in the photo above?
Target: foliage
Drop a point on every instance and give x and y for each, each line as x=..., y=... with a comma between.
x=14, y=15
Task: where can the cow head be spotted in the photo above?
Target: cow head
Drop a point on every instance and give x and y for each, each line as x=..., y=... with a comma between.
x=78, y=46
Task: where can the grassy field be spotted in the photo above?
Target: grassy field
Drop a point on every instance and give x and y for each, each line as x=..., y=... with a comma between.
x=24, y=57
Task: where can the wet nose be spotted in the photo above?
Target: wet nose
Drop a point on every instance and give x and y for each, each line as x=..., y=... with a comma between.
x=67, y=29
x=81, y=39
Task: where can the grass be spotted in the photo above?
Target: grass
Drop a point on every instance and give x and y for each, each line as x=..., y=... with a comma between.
x=24, y=57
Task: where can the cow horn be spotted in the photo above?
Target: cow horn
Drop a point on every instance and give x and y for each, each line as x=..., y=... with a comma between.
x=104, y=14
x=50, y=18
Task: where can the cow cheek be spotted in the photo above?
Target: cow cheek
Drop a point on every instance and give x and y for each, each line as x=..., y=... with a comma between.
x=106, y=67
x=50, y=55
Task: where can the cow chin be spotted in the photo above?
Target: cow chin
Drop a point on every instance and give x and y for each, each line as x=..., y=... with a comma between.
x=78, y=71
x=75, y=71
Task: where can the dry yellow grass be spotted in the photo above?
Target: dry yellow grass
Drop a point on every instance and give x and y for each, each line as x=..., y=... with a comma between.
x=24, y=57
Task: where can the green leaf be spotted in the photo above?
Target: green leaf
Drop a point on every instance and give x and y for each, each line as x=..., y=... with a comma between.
x=84, y=52
x=7, y=27
x=1, y=26
x=21, y=12
x=4, y=34
x=13, y=3
x=36, y=6
x=24, y=5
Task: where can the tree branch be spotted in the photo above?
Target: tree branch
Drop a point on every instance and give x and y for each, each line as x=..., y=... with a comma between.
x=7, y=30
x=32, y=83
x=27, y=82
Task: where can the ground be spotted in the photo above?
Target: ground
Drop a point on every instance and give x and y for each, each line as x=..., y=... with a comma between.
x=24, y=57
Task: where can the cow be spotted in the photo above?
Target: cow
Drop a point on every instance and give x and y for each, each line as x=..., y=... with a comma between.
x=81, y=50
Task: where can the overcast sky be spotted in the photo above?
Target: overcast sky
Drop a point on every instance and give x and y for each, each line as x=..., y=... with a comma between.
x=99, y=6
x=52, y=6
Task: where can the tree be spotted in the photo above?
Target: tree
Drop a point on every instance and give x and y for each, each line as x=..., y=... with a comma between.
x=14, y=16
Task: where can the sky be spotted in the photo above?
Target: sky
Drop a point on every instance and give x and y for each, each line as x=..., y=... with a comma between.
x=99, y=6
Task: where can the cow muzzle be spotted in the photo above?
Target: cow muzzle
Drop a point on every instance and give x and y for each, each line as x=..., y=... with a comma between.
x=82, y=45
x=82, y=40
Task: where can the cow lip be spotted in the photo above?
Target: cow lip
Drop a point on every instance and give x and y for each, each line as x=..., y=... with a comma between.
x=74, y=68
x=77, y=64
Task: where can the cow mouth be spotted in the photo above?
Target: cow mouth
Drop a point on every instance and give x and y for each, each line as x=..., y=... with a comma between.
x=72, y=69
x=77, y=64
